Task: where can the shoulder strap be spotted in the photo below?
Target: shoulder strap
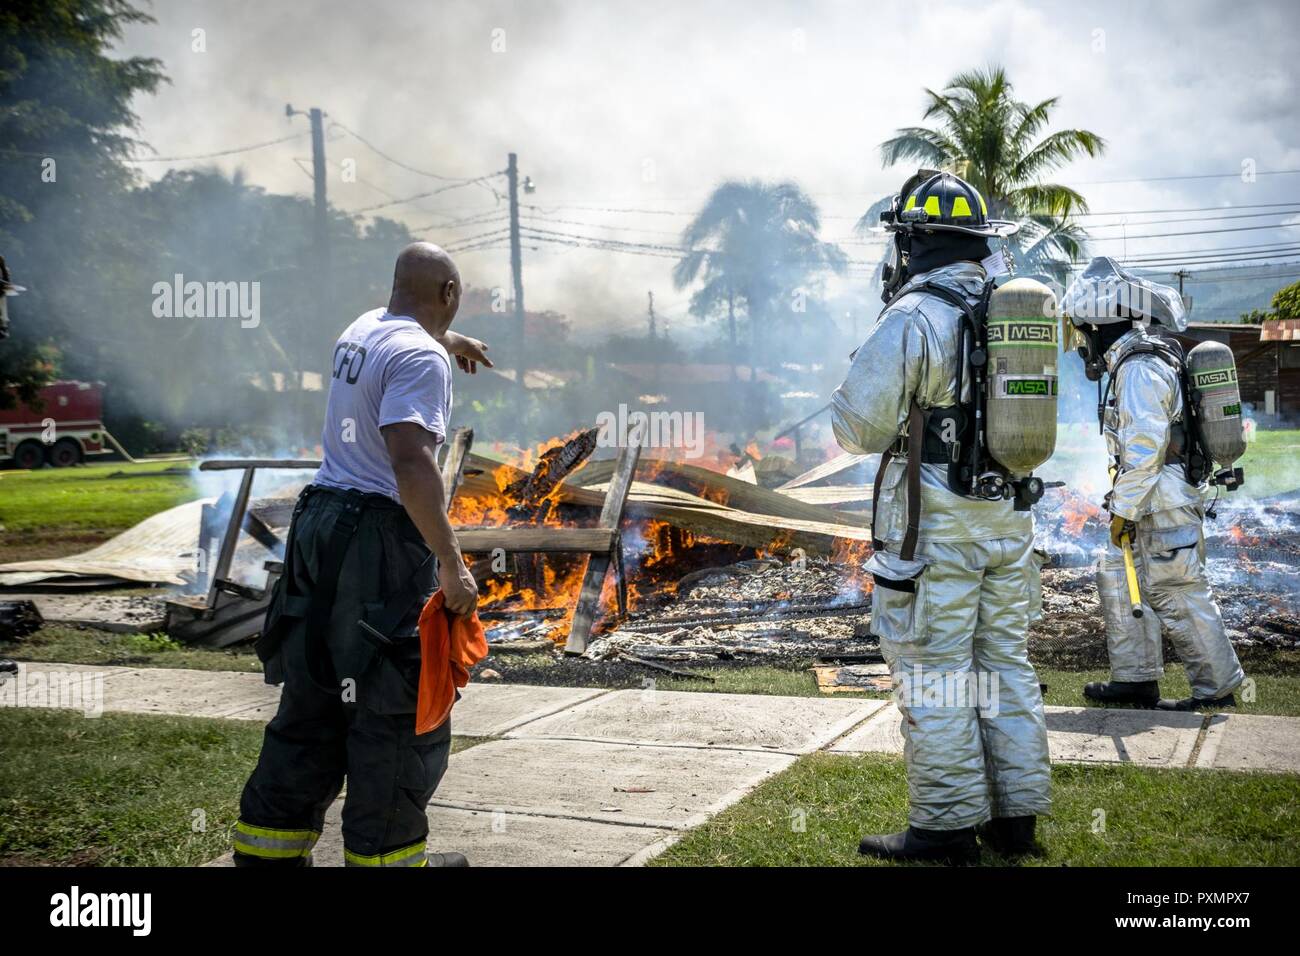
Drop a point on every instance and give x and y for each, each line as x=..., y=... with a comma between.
x=915, y=436
x=1167, y=352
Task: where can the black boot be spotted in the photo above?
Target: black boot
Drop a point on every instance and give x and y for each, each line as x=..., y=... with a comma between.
x=940, y=846
x=1197, y=703
x=446, y=859
x=1138, y=693
x=1010, y=836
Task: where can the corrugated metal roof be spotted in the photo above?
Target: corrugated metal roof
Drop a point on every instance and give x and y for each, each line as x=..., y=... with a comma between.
x=1280, y=330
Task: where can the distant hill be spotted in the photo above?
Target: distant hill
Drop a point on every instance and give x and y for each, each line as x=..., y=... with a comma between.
x=1222, y=295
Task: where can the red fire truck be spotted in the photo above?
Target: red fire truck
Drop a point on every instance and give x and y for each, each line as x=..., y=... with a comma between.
x=64, y=426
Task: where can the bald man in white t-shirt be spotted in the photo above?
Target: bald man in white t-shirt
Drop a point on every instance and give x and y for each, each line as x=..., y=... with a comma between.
x=370, y=540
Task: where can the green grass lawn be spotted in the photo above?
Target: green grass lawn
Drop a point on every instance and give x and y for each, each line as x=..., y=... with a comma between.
x=123, y=789
x=101, y=497
x=1271, y=462
x=814, y=813
x=1274, y=694
x=73, y=645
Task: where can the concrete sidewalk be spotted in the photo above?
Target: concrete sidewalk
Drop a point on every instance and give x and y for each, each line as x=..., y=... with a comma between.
x=583, y=776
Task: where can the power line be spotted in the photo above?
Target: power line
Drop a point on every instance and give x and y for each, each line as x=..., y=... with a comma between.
x=1252, y=247
x=1190, y=256
x=1271, y=275
x=1212, y=260
x=1166, y=179
x=1144, y=212
x=223, y=152
x=1194, y=232
x=409, y=168
x=1161, y=222
x=418, y=196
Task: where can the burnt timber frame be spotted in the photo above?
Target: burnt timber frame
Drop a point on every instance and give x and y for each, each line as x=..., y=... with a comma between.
x=602, y=544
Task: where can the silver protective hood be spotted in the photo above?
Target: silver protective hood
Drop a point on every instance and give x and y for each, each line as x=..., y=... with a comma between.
x=1107, y=293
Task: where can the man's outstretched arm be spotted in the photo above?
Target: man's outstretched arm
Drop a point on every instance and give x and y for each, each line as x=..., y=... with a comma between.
x=411, y=449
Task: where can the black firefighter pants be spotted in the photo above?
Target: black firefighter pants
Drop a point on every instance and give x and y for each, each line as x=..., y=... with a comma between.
x=363, y=730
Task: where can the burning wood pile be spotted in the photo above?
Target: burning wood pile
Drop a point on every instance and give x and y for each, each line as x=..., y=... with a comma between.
x=678, y=518
x=721, y=572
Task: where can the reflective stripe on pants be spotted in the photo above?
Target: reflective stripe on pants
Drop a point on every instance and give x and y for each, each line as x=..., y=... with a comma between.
x=269, y=843
x=412, y=855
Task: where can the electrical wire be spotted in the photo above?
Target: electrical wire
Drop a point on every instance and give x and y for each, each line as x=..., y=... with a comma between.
x=223, y=152
x=1166, y=179
x=409, y=168
x=1194, y=232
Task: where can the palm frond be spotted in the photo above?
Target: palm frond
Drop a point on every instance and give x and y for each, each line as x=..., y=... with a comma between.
x=927, y=146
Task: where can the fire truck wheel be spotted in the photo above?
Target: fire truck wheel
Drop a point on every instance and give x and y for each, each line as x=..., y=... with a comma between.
x=29, y=455
x=65, y=452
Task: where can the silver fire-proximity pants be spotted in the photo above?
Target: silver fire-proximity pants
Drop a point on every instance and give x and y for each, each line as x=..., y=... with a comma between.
x=980, y=752
x=1170, y=560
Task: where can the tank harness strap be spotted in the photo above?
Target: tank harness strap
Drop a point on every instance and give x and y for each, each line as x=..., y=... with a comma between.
x=913, y=439
x=915, y=433
x=1169, y=352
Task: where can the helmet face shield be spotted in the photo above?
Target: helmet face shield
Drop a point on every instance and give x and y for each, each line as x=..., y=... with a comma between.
x=1107, y=293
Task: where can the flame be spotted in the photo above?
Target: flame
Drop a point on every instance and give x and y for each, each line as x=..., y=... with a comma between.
x=656, y=553
x=1241, y=539
x=1077, y=512
x=852, y=556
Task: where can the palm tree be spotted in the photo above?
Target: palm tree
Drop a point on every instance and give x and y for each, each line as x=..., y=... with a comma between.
x=991, y=139
x=753, y=245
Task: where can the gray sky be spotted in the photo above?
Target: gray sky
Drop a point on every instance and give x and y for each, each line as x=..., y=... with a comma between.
x=646, y=106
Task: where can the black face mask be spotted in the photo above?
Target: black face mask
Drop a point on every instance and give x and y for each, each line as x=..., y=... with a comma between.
x=1097, y=342
x=932, y=250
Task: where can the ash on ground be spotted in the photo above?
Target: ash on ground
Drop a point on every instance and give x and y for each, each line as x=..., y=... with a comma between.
x=768, y=611
x=761, y=611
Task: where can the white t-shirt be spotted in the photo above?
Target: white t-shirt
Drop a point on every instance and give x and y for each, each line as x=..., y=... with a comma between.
x=386, y=369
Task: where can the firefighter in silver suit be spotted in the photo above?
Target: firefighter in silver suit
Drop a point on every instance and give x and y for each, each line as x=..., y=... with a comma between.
x=959, y=603
x=1123, y=324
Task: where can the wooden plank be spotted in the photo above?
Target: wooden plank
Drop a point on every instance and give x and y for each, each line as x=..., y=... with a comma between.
x=233, y=464
x=453, y=465
x=659, y=474
x=584, y=616
x=828, y=495
x=593, y=580
x=535, y=539
x=824, y=470
x=231, y=538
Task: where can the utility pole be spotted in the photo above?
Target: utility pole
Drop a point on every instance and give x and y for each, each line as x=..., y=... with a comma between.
x=654, y=350
x=517, y=268
x=1180, y=275
x=321, y=273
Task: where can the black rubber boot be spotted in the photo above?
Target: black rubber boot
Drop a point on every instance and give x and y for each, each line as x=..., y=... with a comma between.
x=1138, y=693
x=1197, y=703
x=940, y=846
x=1010, y=836
x=446, y=859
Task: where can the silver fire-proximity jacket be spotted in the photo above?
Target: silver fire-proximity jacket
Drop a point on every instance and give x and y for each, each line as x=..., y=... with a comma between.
x=912, y=350
x=1147, y=403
